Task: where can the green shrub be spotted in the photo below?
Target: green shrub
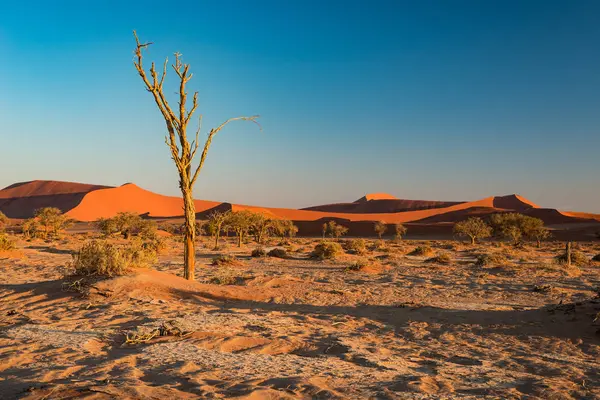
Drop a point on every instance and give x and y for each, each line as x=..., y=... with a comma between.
x=278, y=253
x=327, y=251
x=259, y=252
x=422, y=251
x=6, y=243
x=224, y=259
x=105, y=259
x=356, y=246
x=442, y=258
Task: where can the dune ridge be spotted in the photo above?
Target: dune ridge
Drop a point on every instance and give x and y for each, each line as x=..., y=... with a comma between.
x=86, y=203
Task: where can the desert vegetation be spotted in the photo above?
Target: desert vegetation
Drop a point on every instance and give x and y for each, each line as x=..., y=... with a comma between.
x=360, y=291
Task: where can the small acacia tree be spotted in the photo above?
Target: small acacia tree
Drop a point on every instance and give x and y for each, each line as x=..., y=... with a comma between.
x=261, y=227
x=400, y=231
x=380, y=228
x=51, y=221
x=474, y=228
x=182, y=151
x=215, y=224
x=284, y=227
x=240, y=222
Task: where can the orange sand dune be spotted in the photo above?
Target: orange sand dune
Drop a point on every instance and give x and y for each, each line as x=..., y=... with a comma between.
x=131, y=198
x=581, y=215
x=90, y=202
x=375, y=196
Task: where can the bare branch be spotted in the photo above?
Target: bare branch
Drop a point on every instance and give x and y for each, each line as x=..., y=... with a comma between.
x=212, y=133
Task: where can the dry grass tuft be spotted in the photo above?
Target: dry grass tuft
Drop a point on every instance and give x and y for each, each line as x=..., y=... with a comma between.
x=424, y=251
x=6, y=243
x=224, y=259
x=486, y=260
x=442, y=258
x=277, y=253
x=357, y=266
x=227, y=277
x=101, y=258
x=259, y=252
x=356, y=246
x=326, y=251
x=577, y=258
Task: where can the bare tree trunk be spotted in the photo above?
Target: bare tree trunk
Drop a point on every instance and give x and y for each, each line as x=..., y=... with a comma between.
x=217, y=236
x=568, y=253
x=472, y=240
x=189, y=250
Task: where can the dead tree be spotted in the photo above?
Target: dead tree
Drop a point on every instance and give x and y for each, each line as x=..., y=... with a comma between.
x=182, y=151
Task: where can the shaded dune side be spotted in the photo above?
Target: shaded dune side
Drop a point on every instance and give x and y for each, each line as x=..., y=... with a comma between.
x=513, y=202
x=131, y=198
x=46, y=188
x=24, y=207
x=20, y=200
x=382, y=206
x=406, y=216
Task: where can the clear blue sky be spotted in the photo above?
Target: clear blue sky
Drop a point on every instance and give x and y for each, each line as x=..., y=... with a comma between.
x=440, y=100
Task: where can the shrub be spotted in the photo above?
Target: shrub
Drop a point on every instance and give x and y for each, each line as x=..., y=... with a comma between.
x=485, y=260
x=442, y=258
x=155, y=244
x=577, y=258
x=422, y=251
x=224, y=259
x=356, y=246
x=3, y=221
x=474, y=228
x=227, y=277
x=326, y=251
x=259, y=252
x=278, y=253
x=6, y=243
x=105, y=259
x=357, y=265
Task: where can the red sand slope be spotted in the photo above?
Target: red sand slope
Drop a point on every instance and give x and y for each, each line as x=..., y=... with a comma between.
x=131, y=198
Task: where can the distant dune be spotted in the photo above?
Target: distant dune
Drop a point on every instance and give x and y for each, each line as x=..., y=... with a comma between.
x=84, y=202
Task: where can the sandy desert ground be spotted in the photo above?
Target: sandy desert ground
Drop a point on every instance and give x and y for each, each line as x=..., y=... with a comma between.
x=270, y=328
